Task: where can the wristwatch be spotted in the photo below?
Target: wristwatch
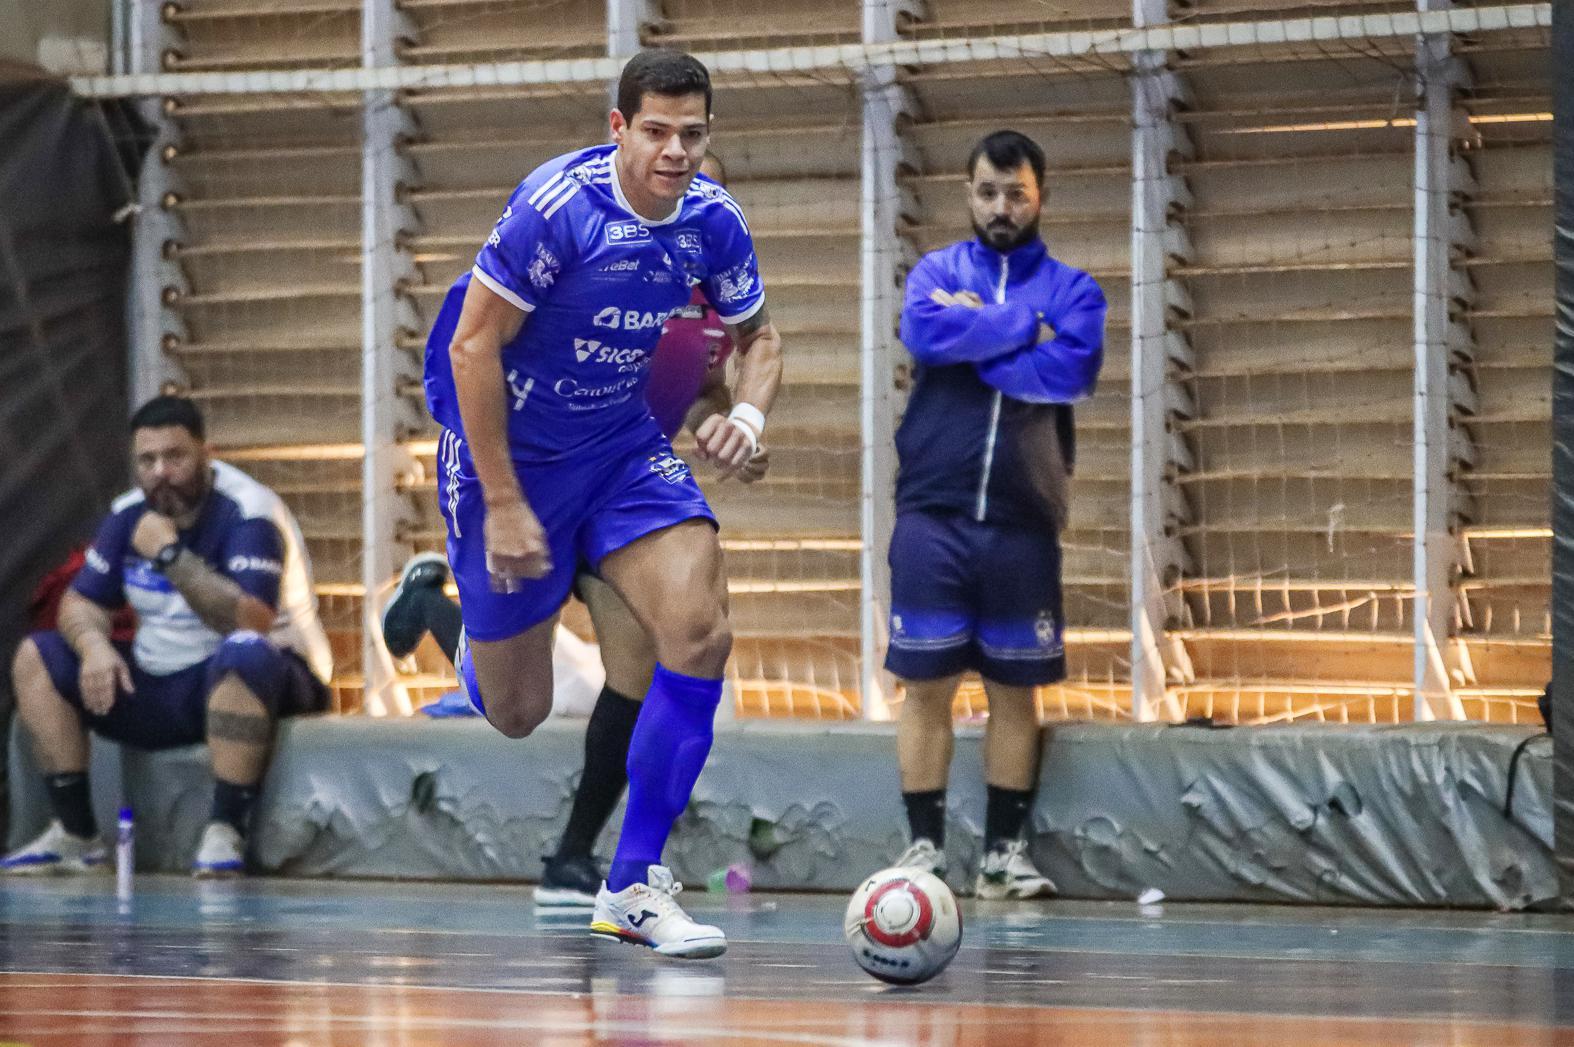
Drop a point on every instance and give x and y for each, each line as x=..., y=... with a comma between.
x=166, y=556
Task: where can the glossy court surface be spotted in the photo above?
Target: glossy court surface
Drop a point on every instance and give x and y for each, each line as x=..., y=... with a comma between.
x=312, y=962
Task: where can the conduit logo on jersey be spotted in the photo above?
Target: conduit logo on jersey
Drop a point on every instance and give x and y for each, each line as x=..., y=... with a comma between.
x=627, y=233
x=592, y=397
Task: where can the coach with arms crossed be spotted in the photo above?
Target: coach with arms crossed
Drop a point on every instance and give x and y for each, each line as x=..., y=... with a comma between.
x=1005, y=337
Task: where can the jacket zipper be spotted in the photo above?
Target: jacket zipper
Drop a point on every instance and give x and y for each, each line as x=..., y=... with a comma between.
x=994, y=412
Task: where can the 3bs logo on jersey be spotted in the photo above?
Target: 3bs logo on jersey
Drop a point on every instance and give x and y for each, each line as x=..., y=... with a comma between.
x=620, y=233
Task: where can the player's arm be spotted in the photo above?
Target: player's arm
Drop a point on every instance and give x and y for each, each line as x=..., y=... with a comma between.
x=732, y=441
x=515, y=542
x=86, y=610
x=944, y=325
x=1063, y=365
x=715, y=399
x=222, y=605
x=86, y=627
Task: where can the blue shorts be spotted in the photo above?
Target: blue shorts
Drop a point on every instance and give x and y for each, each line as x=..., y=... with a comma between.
x=588, y=508
x=172, y=710
x=969, y=595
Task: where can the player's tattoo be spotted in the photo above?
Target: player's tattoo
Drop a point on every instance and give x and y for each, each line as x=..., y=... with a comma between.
x=241, y=728
x=747, y=329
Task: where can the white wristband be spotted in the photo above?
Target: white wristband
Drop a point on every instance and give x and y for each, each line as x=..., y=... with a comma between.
x=751, y=421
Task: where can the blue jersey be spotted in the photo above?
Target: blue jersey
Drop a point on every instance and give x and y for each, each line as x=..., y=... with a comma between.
x=597, y=282
x=245, y=533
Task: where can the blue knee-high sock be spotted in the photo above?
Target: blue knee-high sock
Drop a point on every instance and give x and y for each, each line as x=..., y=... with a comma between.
x=668, y=749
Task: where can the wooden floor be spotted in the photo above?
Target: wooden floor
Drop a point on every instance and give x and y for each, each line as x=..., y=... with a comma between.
x=302, y=963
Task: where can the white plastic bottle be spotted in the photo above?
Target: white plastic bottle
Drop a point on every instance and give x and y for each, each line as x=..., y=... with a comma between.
x=125, y=854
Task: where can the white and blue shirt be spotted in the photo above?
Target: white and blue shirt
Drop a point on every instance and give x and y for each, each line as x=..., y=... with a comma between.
x=598, y=281
x=245, y=532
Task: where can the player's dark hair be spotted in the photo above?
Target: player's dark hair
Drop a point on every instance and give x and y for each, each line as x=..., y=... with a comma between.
x=163, y=411
x=661, y=71
x=1007, y=150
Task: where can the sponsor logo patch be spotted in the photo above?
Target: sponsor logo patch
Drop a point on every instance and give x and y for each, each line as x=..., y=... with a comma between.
x=615, y=319
x=240, y=563
x=543, y=269
x=621, y=233
x=669, y=467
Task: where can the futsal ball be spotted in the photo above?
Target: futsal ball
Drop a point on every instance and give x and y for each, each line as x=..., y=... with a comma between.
x=903, y=926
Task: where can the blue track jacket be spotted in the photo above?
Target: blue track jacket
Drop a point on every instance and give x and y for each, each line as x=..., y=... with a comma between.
x=988, y=428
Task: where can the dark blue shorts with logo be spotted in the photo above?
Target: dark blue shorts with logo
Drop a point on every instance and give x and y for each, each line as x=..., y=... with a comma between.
x=970, y=595
x=588, y=508
x=168, y=710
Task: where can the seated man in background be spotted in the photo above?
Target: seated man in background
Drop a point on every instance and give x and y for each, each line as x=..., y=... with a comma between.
x=227, y=640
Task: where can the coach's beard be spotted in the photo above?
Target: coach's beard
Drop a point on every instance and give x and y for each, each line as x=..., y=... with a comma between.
x=1002, y=236
x=175, y=501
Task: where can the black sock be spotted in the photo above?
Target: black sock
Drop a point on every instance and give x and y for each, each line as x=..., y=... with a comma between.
x=442, y=620
x=232, y=804
x=1004, y=816
x=605, y=774
x=926, y=816
x=72, y=802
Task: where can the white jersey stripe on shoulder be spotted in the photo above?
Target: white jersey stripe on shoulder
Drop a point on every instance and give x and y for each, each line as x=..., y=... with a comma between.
x=728, y=203
x=535, y=197
x=568, y=187
x=502, y=292
x=550, y=211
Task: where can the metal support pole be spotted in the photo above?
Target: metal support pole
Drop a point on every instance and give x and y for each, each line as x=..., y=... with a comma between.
x=387, y=373
x=883, y=257
x=1157, y=506
x=156, y=283
x=1438, y=337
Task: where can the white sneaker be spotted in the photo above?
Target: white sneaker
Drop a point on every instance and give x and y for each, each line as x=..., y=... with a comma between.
x=222, y=853
x=648, y=914
x=57, y=852
x=922, y=854
x=1009, y=873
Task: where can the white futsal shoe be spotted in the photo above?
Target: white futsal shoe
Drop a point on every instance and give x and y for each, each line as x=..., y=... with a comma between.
x=221, y=854
x=1009, y=873
x=922, y=854
x=57, y=853
x=648, y=914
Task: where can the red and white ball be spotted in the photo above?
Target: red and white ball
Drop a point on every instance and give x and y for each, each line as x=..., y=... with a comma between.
x=903, y=926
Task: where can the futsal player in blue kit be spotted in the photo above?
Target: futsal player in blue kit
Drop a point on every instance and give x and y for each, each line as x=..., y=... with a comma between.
x=535, y=369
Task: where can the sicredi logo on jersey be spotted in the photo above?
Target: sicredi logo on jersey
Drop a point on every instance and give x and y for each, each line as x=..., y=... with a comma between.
x=619, y=233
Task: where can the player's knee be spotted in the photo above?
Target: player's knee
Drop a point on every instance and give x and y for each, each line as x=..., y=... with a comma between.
x=922, y=696
x=29, y=676
x=516, y=721
x=697, y=644
x=714, y=645
x=248, y=660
